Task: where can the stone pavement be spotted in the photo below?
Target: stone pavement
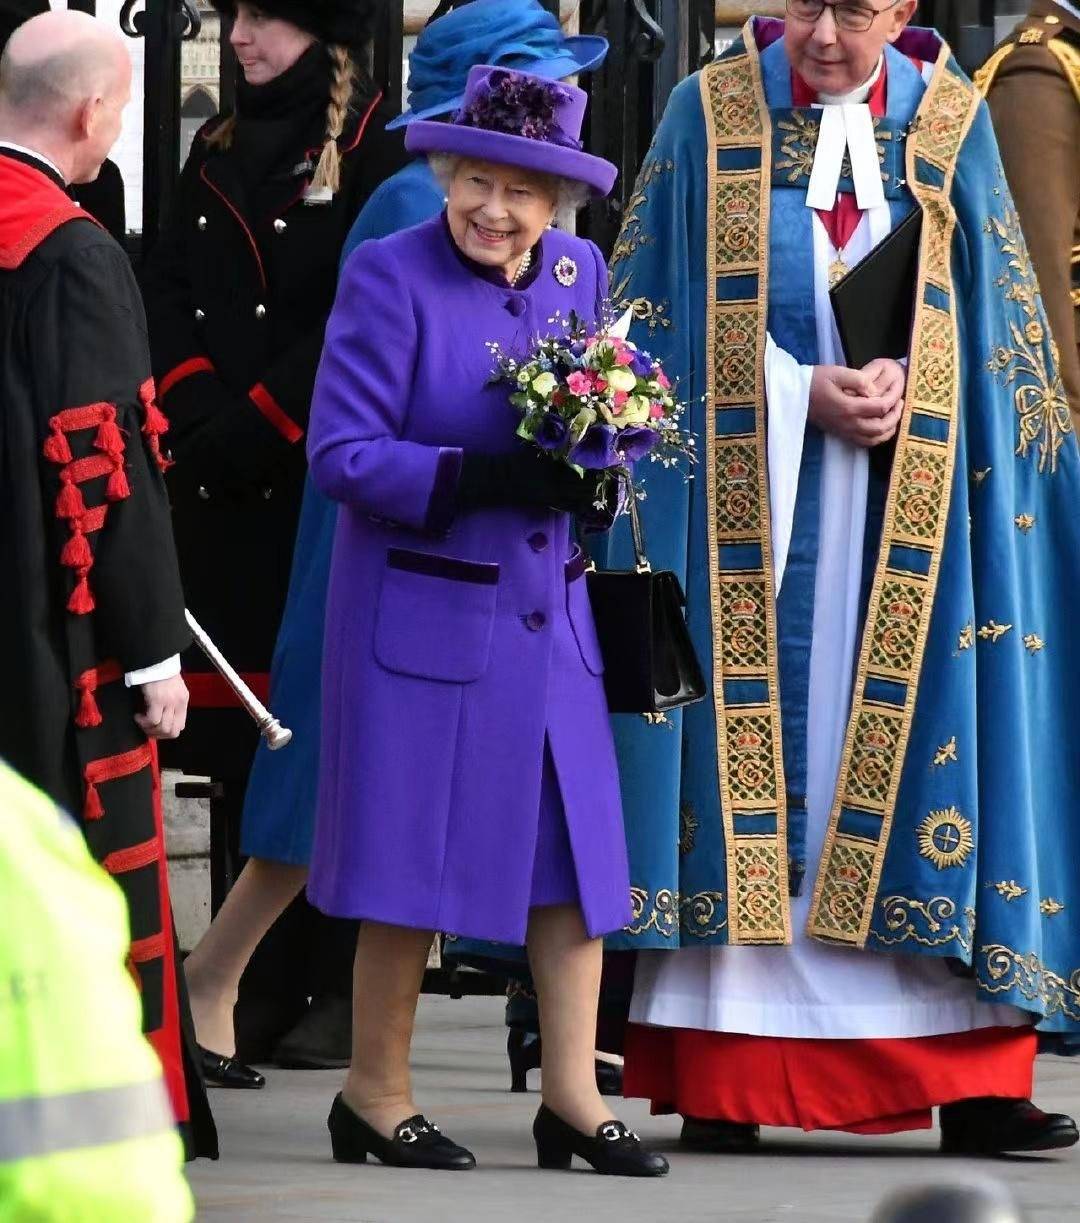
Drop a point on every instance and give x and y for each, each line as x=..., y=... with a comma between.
x=276, y=1154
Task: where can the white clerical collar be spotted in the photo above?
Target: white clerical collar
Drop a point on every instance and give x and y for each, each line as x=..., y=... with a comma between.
x=21, y=148
x=1071, y=8
x=847, y=126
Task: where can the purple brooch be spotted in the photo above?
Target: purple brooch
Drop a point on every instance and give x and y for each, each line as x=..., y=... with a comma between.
x=566, y=271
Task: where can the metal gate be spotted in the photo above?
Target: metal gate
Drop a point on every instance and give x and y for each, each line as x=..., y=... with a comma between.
x=654, y=44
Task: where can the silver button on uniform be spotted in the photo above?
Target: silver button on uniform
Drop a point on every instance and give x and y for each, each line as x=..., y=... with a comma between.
x=260, y=311
x=203, y=494
x=201, y=222
x=199, y=315
x=280, y=226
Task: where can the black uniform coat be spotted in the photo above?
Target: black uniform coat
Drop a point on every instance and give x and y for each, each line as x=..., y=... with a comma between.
x=238, y=291
x=91, y=589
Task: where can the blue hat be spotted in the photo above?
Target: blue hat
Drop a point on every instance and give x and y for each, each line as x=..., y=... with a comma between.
x=518, y=34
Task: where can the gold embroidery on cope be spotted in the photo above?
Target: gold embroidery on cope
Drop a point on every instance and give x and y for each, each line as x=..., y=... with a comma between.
x=648, y=913
x=946, y=754
x=632, y=237
x=743, y=603
x=980, y=475
x=1051, y=907
x=931, y=923
x=1024, y=522
x=967, y=637
x=945, y=838
x=1008, y=889
x=901, y=602
x=993, y=632
x=1014, y=970
x=1034, y=643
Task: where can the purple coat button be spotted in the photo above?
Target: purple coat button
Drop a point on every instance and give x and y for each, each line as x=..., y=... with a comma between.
x=538, y=541
x=516, y=306
x=535, y=621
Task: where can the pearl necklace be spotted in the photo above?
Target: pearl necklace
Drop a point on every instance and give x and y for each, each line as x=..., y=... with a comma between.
x=523, y=267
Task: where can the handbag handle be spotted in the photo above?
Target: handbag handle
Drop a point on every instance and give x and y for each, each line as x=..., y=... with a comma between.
x=636, y=531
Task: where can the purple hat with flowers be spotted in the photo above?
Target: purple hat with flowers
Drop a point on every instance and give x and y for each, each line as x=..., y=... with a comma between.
x=518, y=119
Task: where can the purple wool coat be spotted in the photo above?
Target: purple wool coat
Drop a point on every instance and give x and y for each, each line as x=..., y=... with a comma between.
x=456, y=645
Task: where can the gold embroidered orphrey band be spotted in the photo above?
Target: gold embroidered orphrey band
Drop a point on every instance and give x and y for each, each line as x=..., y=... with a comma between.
x=750, y=763
x=749, y=746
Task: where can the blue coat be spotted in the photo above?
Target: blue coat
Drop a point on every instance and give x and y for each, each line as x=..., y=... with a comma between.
x=456, y=646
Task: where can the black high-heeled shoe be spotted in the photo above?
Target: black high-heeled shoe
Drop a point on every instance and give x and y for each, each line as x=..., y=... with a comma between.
x=416, y=1143
x=613, y=1151
x=221, y=1071
x=524, y=1050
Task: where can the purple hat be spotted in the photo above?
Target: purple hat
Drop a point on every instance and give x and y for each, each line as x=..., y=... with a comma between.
x=518, y=119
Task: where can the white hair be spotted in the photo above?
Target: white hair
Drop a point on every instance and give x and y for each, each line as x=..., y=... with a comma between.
x=570, y=196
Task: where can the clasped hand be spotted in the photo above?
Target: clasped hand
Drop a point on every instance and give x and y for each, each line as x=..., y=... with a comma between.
x=862, y=407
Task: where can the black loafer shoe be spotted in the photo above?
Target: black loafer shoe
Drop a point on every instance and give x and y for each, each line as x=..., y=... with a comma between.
x=992, y=1126
x=612, y=1151
x=322, y=1040
x=416, y=1143
x=221, y=1071
x=718, y=1137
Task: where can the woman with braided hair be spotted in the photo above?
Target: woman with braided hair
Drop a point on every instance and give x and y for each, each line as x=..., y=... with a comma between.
x=238, y=290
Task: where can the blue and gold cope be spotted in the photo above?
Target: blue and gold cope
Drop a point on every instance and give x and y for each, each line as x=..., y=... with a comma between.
x=955, y=829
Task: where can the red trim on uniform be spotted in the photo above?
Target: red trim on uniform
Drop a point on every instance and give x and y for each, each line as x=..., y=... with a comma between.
x=239, y=220
x=186, y=369
x=93, y=519
x=364, y=121
x=110, y=768
x=92, y=467
x=33, y=208
x=87, y=684
x=167, y=1040
x=155, y=423
x=76, y=553
x=209, y=690
x=275, y=414
x=860, y=1086
x=132, y=859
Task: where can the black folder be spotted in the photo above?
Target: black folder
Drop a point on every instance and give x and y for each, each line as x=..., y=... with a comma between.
x=874, y=304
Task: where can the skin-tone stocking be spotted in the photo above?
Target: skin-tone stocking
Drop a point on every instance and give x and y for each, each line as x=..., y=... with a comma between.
x=566, y=966
x=213, y=970
x=387, y=975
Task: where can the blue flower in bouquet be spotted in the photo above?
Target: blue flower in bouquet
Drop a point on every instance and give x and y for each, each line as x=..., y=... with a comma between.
x=552, y=433
x=597, y=450
x=641, y=364
x=635, y=442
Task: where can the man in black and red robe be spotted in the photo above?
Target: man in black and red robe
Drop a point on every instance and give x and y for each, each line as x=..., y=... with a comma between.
x=92, y=616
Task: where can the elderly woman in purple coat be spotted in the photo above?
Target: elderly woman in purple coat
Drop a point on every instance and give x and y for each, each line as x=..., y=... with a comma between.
x=468, y=781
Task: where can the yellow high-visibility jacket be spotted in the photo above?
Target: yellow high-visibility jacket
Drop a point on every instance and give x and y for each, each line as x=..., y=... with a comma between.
x=86, y=1131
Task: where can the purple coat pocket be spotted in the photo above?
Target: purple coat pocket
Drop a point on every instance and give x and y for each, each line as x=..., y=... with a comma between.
x=436, y=616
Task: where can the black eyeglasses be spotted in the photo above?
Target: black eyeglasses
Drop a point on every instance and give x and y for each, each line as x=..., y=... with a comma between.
x=854, y=18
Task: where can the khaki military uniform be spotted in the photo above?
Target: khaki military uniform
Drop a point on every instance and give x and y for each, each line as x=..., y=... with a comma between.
x=1032, y=82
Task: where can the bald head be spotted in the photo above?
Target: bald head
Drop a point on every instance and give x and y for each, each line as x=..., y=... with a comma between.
x=64, y=81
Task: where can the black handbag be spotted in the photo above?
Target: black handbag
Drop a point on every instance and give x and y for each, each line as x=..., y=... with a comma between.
x=650, y=666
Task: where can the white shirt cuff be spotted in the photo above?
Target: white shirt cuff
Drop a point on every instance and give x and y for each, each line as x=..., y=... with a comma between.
x=150, y=675
x=787, y=392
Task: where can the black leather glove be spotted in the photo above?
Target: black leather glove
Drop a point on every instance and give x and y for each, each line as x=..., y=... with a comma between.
x=525, y=477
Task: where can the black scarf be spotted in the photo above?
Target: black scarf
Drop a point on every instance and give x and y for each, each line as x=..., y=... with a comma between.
x=278, y=122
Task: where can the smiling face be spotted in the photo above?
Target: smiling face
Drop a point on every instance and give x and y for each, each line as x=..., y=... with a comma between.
x=833, y=60
x=497, y=213
x=265, y=46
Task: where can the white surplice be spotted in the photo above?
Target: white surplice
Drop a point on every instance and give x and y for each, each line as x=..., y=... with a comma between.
x=811, y=989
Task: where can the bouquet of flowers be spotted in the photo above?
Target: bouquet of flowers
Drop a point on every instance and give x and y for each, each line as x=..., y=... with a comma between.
x=592, y=399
